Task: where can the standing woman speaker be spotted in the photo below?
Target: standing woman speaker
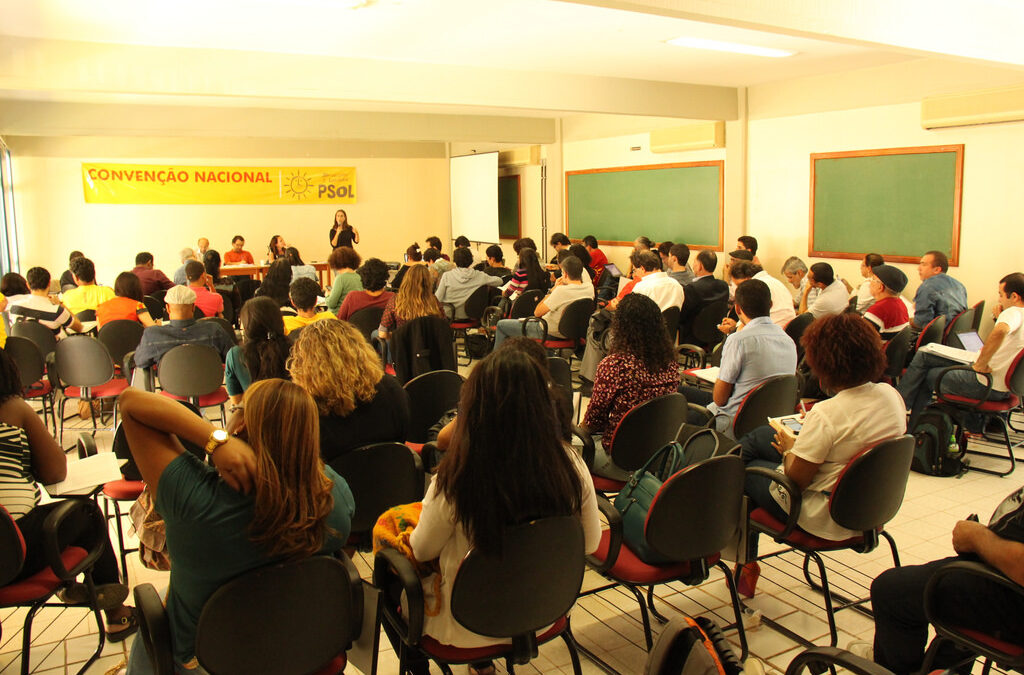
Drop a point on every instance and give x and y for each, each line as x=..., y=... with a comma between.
x=342, y=233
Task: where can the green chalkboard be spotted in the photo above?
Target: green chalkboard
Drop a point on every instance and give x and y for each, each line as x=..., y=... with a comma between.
x=665, y=202
x=898, y=202
x=508, y=207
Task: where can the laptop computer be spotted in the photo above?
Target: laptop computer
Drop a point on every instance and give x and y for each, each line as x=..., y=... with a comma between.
x=971, y=341
x=613, y=270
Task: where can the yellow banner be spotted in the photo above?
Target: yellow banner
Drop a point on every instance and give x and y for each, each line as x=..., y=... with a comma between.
x=172, y=184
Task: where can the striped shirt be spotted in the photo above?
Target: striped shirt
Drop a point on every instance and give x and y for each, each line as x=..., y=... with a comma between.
x=40, y=309
x=18, y=491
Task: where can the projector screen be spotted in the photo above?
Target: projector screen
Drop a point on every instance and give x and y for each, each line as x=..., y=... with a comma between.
x=474, y=194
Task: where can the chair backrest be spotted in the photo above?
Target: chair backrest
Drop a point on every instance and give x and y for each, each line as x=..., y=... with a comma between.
x=705, y=324
x=42, y=336
x=229, y=330
x=190, y=371
x=367, y=320
x=198, y=313
x=380, y=476
x=795, y=330
x=707, y=443
x=313, y=619
x=932, y=332
x=430, y=396
x=896, y=351
x=561, y=373
x=647, y=428
x=229, y=311
x=155, y=307
x=870, y=489
x=86, y=315
x=525, y=304
x=12, y=548
x=1015, y=375
x=533, y=583
x=477, y=302
x=576, y=318
x=671, y=318
x=83, y=361
x=979, y=314
x=27, y=358
x=712, y=488
x=961, y=323
x=774, y=397
x=120, y=337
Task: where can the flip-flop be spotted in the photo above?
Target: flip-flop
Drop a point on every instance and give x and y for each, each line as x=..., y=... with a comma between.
x=130, y=622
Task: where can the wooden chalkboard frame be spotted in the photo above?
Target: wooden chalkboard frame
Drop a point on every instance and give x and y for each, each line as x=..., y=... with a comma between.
x=954, y=259
x=720, y=163
x=519, y=207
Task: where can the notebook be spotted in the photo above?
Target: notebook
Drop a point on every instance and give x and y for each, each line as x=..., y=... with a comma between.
x=952, y=353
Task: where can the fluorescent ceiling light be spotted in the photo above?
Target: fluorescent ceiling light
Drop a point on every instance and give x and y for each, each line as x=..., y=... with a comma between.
x=734, y=47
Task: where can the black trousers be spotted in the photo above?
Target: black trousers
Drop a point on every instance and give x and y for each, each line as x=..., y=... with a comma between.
x=76, y=530
x=901, y=629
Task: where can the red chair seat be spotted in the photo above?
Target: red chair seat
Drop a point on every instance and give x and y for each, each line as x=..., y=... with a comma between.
x=993, y=643
x=986, y=406
x=106, y=390
x=42, y=583
x=41, y=388
x=633, y=570
x=463, y=324
x=390, y=370
x=123, y=489
x=602, y=484
x=206, y=400
x=800, y=539
x=336, y=666
x=451, y=654
x=415, y=447
x=559, y=344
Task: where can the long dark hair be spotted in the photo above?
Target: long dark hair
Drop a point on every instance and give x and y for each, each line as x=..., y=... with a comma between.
x=13, y=283
x=292, y=254
x=494, y=480
x=345, y=226
x=211, y=261
x=10, y=379
x=127, y=285
x=638, y=329
x=536, y=277
x=276, y=282
x=265, y=347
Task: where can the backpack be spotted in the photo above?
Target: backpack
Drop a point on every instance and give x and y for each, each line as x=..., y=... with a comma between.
x=692, y=647
x=1008, y=519
x=933, y=453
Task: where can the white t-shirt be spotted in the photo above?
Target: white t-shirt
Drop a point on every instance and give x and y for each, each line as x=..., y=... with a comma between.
x=1012, y=318
x=782, y=303
x=833, y=299
x=834, y=431
x=663, y=289
x=560, y=298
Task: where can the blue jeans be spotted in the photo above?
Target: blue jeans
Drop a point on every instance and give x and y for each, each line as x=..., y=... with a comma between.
x=918, y=384
x=507, y=328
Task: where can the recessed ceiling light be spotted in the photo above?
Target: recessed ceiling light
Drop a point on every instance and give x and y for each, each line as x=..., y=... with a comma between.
x=733, y=47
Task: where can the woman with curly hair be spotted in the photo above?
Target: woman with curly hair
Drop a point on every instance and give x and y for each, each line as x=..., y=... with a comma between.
x=374, y=276
x=263, y=352
x=846, y=354
x=358, y=402
x=343, y=261
x=640, y=365
x=263, y=499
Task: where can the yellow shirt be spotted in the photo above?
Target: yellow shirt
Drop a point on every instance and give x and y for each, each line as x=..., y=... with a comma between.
x=293, y=322
x=3, y=331
x=86, y=297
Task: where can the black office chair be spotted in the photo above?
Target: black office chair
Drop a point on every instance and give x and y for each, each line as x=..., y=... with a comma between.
x=525, y=305
x=380, y=476
x=84, y=369
x=430, y=396
x=573, y=325
x=316, y=604
x=528, y=589
x=706, y=336
x=819, y=659
x=979, y=314
x=155, y=307
x=671, y=318
x=896, y=351
x=120, y=337
x=367, y=320
x=795, y=330
x=194, y=373
x=775, y=397
x=31, y=370
x=225, y=325
x=86, y=315
x=961, y=323
x=39, y=334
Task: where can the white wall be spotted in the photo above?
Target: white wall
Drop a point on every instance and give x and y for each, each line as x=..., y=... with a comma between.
x=400, y=201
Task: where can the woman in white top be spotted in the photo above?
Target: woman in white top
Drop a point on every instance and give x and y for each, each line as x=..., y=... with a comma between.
x=846, y=354
x=506, y=463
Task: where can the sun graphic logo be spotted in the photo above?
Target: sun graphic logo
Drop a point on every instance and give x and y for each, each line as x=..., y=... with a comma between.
x=297, y=184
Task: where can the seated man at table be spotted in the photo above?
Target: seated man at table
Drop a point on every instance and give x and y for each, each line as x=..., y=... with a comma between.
x=209, y=301
x=40, y=306
x=181, y=329
x=151, y=279
x=238, y=255
x=760, y=349
x=304, y=293
x=87, y=295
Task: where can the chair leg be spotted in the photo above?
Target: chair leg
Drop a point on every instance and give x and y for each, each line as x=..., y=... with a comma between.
x=120, y=541
x=824, y=589
x=650, y=604
x=570, y=644
x=648, y=638
x=892, y=548
x=26, y=637
x=91, y=586
x=1009, y=450
x=736, y=609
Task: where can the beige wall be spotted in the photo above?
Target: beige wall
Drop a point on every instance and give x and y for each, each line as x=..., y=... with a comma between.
x=400, y=201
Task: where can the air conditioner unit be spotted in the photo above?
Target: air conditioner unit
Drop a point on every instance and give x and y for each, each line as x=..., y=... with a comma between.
x=990, y=106
x=526, y=155
x=689, y=137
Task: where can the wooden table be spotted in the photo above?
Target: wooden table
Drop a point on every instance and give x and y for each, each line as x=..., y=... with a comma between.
x=259, y=271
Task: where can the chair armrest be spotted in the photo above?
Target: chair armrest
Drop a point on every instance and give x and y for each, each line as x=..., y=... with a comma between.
x=795, y=499
x=154, y=628
x=449, y=311
x=968, y=567
x=702, y=411
x=86, y=445
x=945, y=371
x=588, y=445
x=393, y=571
x=614, y=518
x=51, y=527
x=355, y=584
x=817, y=658
x=536, y=319
x=686, y=353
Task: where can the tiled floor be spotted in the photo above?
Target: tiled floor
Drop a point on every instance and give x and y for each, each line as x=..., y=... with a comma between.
x=609, y=624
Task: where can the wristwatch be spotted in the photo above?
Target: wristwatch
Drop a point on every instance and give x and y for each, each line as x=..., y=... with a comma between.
x=218, y=437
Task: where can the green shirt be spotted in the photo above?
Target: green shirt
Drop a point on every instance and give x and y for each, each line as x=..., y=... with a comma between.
x=208, y=539
x=343, y=283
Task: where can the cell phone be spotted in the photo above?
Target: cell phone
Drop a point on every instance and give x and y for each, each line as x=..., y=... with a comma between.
x=793, y=425
x=406, y=257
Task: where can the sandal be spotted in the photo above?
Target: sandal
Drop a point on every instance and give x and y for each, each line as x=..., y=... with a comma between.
x=130, y=622
x=482, y=668
x=108, y=596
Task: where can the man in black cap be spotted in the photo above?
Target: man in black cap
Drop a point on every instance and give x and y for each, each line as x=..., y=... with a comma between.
x=889, y=313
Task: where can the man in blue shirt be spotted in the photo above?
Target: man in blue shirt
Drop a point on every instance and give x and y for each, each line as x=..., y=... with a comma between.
x=939, y=294
x=757, y=351
x=182, y=329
